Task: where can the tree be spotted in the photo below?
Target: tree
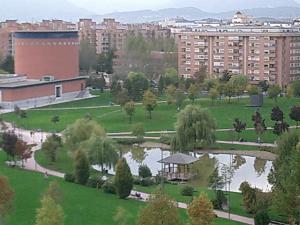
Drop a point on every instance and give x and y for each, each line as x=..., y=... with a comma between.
x=54, y=191
x=264, y=86
x=194, y=127
x=213, y=94
x=50, y=213
x=9, y=140
x=101, y=151
x=6, y=197
x=238, y=126
x=193, y=92
x=51, y=146
x=230, y=90
x=104, y=62
x=8, y=64
x=55, y=119
x=81, y=167
x=252, y=89
x=171, y=77
x=259, y=124
x=280, y=125
x=22, y=150
x=289, y=91
x=138, y=130
x=161, y=85
x=215, y=180
x=129, y=108
x=121, y=97
x=144, y=171
x=80, y=131
x=149, y=102
x=200, y=75
x=262, y=217
x=295, y=114
x=160, y=209
x=285, y=176
x=225, y=77
x=87, y=55
x=274, y=91
x=295, y=86
x=209, y=84
x=123, y=179
x=170, y=93
x=239, y=82
x=136, y=84
x=249, y=197
x=200, y=211
x=179, y=98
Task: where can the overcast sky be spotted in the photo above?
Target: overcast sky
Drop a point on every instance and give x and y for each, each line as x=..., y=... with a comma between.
x=107, y=6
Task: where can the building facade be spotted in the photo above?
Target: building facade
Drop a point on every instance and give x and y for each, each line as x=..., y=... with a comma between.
x=260, y=53
x=47, y=70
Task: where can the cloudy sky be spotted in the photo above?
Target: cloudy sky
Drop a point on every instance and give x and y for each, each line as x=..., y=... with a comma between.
x=106, y=6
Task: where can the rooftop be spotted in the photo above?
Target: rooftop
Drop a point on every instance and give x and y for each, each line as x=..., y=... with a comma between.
x=180, y=159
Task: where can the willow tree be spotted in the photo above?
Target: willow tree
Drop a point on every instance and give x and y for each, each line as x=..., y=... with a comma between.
x=79, y=132
x=194, y=127
x=101, y=151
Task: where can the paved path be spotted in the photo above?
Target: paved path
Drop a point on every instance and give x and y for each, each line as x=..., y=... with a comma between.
x=220, y=142
x=144, y=197
x=31, y=164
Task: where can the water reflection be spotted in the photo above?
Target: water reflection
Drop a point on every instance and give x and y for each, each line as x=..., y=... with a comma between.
x=254, y=171
x=260, y=166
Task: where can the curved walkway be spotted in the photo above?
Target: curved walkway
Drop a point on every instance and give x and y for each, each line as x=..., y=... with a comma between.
x=37, y=139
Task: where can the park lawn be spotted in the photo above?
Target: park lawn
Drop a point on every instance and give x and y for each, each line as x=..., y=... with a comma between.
x=100, y=99
x=113, y=119
x=173, y=190
x=247, y=135
x=81, y=205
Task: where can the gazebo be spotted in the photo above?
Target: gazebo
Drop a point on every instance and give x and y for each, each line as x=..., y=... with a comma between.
x=177, y=166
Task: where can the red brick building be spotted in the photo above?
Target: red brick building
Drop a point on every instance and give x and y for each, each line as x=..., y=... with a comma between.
x=46, y=67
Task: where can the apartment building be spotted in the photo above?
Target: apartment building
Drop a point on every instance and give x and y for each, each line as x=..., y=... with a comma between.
x=87, y=30
x=261, y=53
x=9, y=27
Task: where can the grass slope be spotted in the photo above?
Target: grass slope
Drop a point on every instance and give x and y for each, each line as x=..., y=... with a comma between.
x=81, y=205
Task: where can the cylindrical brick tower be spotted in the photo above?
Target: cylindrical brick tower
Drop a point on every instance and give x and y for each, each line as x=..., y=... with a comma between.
x=47, y=53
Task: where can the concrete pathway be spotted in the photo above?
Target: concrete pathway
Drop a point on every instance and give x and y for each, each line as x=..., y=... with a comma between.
x=38, y=137
x=225, y=215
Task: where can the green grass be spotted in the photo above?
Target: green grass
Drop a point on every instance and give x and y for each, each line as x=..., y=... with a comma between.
x=113, y=119
x=173, y=190
x=64, y=164
x=81, y=205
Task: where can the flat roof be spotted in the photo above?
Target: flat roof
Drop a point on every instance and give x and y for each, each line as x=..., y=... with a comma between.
x=31, y=82
x=46, y=34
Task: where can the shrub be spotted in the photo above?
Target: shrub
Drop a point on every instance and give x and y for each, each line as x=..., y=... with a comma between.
x=138, y=130
x=261, y=218
x=158, y=179
x=129, y=141
x=144, y=171
x=147, y=182
x=136, y=180
x=95, y=182
x=165, y=139
x=219, y=200
x=109, y=187
x=69, y=177
x=187, y=190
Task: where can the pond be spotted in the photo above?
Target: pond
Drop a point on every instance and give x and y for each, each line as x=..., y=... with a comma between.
x=244, y=168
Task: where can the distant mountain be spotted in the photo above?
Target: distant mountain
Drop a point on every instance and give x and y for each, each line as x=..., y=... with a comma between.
x=35, y=10
x=229, y=5
x=191, y=13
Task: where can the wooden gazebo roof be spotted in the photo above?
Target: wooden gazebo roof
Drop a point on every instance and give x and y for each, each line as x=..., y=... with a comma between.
x=179, y=159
